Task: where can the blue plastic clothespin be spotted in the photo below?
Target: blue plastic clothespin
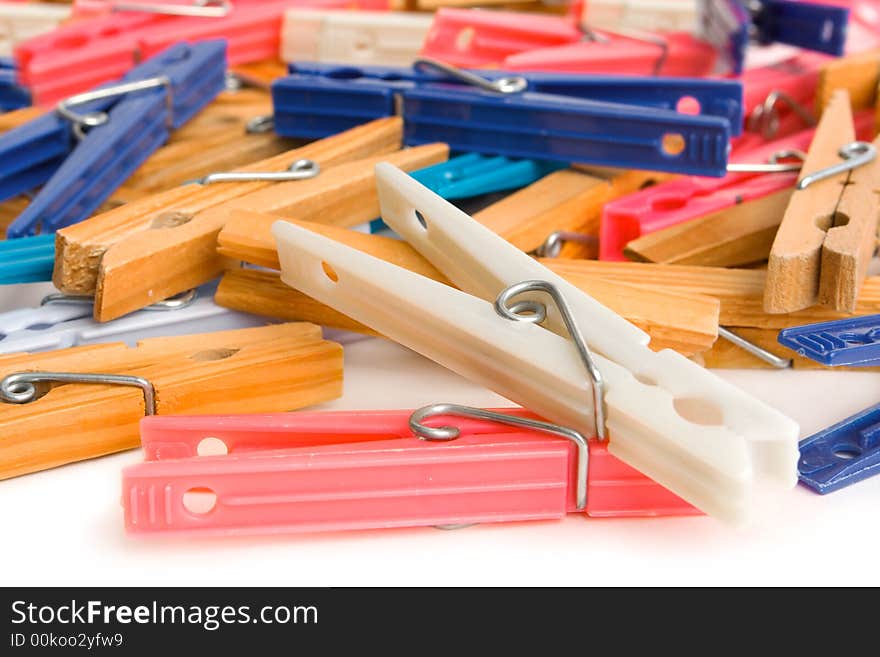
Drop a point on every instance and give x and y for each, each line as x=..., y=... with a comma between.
x=848, y=451
x=12, y=95
x=730, y=24
x=854, y=342
x=120, y=125
x=27, y=260
x=625, y=122
x=842, y=454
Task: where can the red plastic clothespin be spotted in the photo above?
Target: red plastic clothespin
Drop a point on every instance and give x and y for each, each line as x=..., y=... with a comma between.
x=683, y=199
x=671, y=54
x=778, y=99
x=367, y=470
x=471, y=38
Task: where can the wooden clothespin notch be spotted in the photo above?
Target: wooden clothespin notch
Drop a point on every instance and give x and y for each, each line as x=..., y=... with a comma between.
x=827, y=235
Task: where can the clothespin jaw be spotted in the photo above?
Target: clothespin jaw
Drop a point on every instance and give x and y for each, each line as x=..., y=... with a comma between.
x=730, y=24
x=843, y=454
x=488, y=473
x=521, y=116
x=158, y=96
x=539, y=369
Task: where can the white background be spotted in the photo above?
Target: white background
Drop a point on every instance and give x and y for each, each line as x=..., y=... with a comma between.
x=64, y=526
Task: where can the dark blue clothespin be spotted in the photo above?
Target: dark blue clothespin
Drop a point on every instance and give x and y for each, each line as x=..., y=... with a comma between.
x=842, y=454
x=12, y=95
x=854, y=342
x=27, y=260
x=625, y=122
x=849, y=451
x=88, y=152
x=730, y=24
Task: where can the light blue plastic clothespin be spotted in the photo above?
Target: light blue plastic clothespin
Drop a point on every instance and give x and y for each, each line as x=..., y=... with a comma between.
x=27, y=260
x=474, y=174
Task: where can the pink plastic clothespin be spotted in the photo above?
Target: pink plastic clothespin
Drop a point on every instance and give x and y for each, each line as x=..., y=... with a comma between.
x=471, y=38
x=683, y=199
x=670, y=54
x=778, y=99
x=366, y=470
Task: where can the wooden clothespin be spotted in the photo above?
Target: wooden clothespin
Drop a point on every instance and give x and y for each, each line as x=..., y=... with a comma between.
x=858, y=74
x=74, y=404
x=736, y=236
x=570, y=200
x=828, y=233
x=740, y=291
x=166, y=243
x=685, y=322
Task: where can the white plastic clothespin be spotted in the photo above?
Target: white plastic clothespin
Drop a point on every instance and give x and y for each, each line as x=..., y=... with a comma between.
x=701, y=437
x=653, y=15
x=387, y=38
x=20, y=21
x=61, y=322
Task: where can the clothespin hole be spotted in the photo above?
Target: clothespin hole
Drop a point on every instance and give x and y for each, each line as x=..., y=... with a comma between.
x=698, y=411
x=673, y=143
x=213, y=354
x=211, y=446
x=199, y=501
x=363, y=44
x=170, y=220
x=40, y=326
x=826, y=222
x=330, y=272
x=421, y=219
x=71, y=41
x=668, y=203
x=345, y=73
x=464, y=39
x=688, y=105
x=847, y=452
x=645, y=380
x=110, y=31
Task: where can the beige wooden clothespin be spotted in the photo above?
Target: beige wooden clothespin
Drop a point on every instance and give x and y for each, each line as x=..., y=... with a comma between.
x=827, y=235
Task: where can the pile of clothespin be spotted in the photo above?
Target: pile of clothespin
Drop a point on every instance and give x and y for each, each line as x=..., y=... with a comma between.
x=582, y=207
